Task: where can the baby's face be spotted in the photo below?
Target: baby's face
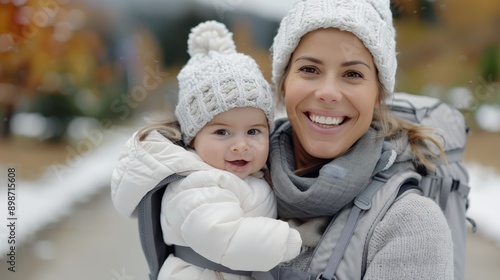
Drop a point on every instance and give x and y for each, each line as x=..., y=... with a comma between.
x=236, y=141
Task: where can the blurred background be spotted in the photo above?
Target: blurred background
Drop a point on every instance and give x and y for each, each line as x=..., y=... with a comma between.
x=77, y=78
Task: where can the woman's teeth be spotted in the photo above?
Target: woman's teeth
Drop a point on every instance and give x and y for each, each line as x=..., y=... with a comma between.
x=326, y=120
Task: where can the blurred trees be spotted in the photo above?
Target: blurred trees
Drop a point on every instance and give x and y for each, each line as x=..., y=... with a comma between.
x=423, y=9
x=53, y=64
x=490, y=63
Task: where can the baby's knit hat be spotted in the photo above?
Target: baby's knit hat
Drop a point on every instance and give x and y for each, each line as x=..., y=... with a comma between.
x=369, y=20
x=216, y=79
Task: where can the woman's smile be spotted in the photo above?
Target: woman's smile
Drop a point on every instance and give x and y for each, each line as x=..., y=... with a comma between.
x=326, y=121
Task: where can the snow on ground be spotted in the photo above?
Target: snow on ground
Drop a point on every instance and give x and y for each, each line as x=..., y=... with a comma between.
x=484, y=204
x=48, y=200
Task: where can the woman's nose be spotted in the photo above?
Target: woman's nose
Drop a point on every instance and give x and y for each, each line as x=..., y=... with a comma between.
x=328, y=91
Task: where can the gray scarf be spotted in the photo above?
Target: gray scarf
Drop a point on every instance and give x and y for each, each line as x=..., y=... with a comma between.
x=339, y=181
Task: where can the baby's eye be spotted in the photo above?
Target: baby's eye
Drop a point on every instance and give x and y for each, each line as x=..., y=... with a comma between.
x=308, y=69
x=253, y=131
x=221, y=132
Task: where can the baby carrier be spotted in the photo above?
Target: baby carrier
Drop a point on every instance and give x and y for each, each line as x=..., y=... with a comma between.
x=154, y=247
x=341, y=252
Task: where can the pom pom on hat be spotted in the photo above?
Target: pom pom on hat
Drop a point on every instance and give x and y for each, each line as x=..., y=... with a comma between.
x=210, y=36
x=216, y=79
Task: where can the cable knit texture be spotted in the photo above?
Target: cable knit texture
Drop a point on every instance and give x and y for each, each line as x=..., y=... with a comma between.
x=216, y=79
x=369, y=20
x=411, y=242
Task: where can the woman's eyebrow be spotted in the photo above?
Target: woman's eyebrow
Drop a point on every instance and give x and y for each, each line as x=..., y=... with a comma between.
x=344, y=64
x=309, y=58
x=355, y=62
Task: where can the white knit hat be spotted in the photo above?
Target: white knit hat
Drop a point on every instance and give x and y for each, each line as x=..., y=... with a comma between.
x=369, y=20
x=216, y=79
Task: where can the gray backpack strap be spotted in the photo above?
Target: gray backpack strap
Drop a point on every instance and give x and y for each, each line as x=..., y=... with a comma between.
x=189, y=255
x=439, y=187
x=148, y=216
x=330, y=254
x=362, y=203
x=280, y=272
x=154, y=247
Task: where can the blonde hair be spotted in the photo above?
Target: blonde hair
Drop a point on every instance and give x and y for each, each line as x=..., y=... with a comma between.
x=168, y=127
x=420, y=138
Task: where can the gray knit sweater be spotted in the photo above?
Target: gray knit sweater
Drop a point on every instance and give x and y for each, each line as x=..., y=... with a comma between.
x=412, y=241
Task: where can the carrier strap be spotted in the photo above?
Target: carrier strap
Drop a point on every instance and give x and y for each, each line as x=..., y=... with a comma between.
x=148, y=216
x=456, y=155
x=430, y=185
x=189, y=255
x=280, y=272
x=155, y=249
x=362, y=203
x=461, y=188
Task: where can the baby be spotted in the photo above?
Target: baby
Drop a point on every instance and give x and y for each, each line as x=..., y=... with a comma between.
x=223, y=209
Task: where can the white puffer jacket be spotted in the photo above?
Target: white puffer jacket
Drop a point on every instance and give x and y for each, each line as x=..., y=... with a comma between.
x=225, y=219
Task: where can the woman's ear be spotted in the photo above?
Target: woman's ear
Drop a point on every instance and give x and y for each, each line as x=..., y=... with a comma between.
x=282, y=88
x=377, y=102
x=380, y=95
x=283, y=82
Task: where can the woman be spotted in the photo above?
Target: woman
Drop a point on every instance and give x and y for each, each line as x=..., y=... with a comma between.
x=334, y=64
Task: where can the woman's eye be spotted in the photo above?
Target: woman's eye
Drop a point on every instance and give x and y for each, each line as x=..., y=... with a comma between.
x=253, y=131
x=353, y=74
x=222, y=132
x=308, y=69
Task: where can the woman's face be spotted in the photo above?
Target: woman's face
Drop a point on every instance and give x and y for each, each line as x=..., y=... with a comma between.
x=330, y=91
